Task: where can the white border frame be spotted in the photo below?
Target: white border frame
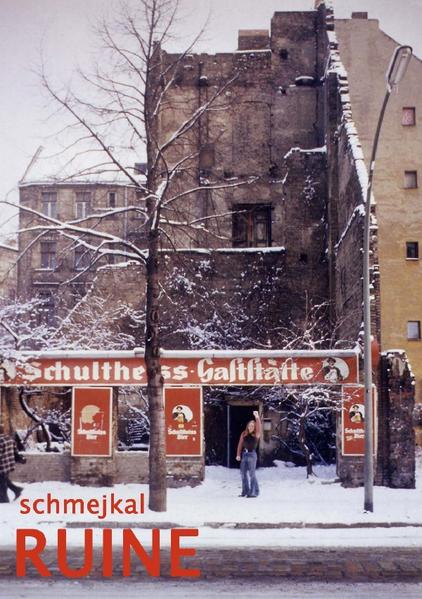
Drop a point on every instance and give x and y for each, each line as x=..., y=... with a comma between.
x=110, y=445
x=201, y=405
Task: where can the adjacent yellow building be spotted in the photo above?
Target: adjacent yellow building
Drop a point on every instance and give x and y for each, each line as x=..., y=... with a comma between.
x=366, y=51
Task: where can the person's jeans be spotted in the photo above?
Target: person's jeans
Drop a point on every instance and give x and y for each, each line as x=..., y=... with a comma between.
x=247, y=469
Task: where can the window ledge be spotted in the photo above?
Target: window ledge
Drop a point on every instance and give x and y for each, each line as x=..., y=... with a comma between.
x=41, y=269
x=412, y=259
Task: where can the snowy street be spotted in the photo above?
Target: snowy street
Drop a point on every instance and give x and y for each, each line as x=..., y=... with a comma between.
x=208, y=590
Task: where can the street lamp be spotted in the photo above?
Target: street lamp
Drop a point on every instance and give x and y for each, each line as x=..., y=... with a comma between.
x=395, y=72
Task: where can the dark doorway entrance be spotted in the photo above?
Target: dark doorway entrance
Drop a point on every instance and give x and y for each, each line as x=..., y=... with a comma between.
x=237, y=417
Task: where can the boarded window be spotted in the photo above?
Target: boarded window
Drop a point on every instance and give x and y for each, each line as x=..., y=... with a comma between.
x=49, y=203
x=408, y=116
x=251, y=225
x=414, y=329
x=206, y=157
x=410, y=179
x=412, y=250
x=48, y=250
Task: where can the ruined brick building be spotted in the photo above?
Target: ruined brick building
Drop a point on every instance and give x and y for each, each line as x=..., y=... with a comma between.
x=283, y=149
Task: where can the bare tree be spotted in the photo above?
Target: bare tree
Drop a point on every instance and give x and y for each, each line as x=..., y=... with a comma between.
x=306, y=413
x=122, y=104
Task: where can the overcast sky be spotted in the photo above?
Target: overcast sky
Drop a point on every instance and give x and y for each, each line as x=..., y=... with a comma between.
x=64, y=29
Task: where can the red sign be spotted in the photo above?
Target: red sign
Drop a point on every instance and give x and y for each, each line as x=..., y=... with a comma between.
x=91, y=421
x=353, y=420
x=183, y=413
x=294, y=369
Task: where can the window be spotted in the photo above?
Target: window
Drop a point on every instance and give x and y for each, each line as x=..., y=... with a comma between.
x=49, y=203
x=408, y=116
x=414, y=329
x=251, y=225
x=82, y=258
x=410, y=179
x=48, y=254
x=83, y=199
x=112, y=199
x=284, y=54
x=46, y=312
x=412, y=250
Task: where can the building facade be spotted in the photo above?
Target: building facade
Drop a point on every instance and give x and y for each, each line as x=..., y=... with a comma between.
x=280, y=179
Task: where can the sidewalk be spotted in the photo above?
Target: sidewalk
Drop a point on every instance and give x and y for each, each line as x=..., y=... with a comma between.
x=295, y=529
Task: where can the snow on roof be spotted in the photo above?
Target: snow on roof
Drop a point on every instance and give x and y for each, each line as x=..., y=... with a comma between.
x=139, y=352
x=335, y=65
x=84, y=167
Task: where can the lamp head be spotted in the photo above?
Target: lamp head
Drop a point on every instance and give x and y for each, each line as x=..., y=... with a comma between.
x=398, y=65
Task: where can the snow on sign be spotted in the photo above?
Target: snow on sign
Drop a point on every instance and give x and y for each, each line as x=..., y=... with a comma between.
x=353, y=420
x=191, y=368
x=91, y=421
x=183, y=413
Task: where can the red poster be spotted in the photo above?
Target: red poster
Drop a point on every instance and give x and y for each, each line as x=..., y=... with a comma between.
x=353, y=420
x=91, y=421
x=183, y=412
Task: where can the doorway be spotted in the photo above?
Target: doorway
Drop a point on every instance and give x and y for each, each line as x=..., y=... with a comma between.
x=237, y=419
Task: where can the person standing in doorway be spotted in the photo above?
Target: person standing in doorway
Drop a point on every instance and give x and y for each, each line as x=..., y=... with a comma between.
x=247, y=456
x=7, y=464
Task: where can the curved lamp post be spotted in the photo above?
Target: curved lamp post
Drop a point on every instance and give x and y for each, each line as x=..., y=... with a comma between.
x=395, y=72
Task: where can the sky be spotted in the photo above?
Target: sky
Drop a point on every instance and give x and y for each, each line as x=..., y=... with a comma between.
x=63, y=29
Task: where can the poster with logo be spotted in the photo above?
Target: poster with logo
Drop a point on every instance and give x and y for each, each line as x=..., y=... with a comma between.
x=183, y=413
x=91, y=421
x=353, y=419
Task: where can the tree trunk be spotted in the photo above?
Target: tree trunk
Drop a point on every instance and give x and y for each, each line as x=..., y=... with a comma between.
x=157, y=449
x=35, y=418
x=305, y=448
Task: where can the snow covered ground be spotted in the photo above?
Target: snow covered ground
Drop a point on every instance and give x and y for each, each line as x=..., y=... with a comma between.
x=250, y=589
x=286, y=497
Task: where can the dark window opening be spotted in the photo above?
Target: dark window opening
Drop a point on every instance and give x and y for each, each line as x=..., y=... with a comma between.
x=414, y=329
x=412, y=250
x=140, y=168
x=251, y=225
x=112, y=199
x=48, y=251
x=284, y=54
x=82, y=258
x=410, y=179
x=303, y=258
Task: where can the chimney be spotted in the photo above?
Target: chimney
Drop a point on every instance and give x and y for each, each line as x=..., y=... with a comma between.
x=359, y=15
x=254, y=39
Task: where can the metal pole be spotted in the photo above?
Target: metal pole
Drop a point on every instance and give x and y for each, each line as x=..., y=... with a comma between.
x=369, y=445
